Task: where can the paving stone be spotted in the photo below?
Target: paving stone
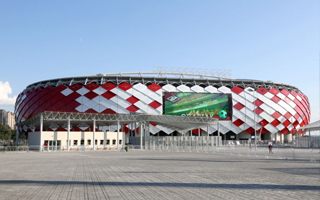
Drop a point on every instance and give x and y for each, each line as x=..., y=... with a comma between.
x=223, y=173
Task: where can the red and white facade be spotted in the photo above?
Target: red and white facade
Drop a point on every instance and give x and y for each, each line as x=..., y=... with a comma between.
x=265, y=106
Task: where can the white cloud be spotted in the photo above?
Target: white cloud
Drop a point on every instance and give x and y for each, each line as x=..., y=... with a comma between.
x=5, y=93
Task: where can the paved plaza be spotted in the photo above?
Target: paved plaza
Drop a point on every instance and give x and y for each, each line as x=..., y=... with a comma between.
x=226, y=173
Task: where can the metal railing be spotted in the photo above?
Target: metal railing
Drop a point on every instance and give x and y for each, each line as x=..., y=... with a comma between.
x=175, y=143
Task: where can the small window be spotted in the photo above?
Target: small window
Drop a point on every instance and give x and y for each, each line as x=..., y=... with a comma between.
x=113, y=142
x=82, y=142
x=101, y=142
x=108, y=142
x=75, y=142
x=89, y=142
x=120, y=141
x=95, y=142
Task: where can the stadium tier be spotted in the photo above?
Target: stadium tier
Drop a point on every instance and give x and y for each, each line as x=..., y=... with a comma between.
x=241, y=105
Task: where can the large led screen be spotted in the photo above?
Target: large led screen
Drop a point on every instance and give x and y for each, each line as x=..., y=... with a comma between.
x=215, y=105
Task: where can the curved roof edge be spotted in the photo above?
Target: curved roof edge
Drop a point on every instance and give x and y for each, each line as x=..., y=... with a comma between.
x=161, y=78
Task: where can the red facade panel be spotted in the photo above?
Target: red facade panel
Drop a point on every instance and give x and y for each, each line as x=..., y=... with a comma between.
x=68, y=98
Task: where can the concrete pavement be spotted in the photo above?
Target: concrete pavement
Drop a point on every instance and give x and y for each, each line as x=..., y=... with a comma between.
x=222, y=174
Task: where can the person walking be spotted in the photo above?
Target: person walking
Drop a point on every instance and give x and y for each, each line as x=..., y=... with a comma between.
x=270, y=146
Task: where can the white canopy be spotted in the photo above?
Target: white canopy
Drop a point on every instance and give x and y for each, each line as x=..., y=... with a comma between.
x=314, y=126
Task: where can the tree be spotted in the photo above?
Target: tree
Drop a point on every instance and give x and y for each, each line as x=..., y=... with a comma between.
x=5, y=133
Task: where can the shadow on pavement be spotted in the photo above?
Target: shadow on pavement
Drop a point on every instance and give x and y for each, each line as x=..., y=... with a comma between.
x=166, y=184
x=313, y=172
x=226, y=161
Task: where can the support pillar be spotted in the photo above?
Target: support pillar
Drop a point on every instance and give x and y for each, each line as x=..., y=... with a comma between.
x=218, y=128
x=309, y=139
x=83, y=146
x=172, y=142
x=141, y=135
x=277, y=137
x=68, y=134
x=40, y=134
x=55, y=135
x=94, y=135
x=118, y=127
x=104, y=138
x=147, y=135
x=201, y=138
x=281, y=138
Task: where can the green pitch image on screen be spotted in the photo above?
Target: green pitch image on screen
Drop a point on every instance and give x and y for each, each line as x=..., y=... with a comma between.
x=215, y=105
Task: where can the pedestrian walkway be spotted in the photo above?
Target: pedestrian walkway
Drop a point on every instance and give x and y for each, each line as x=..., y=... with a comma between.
x=223, y=174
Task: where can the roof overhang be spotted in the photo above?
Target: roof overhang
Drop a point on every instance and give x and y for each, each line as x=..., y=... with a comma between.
x=162, y=79
x=179, y=123
x=314, y=126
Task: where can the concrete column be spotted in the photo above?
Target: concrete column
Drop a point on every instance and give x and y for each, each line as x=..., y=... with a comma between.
x=41, y=130
x=212, y=141
x=148, y=135
x=172, y=141
x=94, y=135
x=309, y=139
x=190, y=139
x=84, y=140
x=118, y=127
x=55, y=135
x=141, y=135
x=218, y=129
x=201, y=138
x=104, y=138
x=276, y=137
x=68, y=134
x=124, y=136
x=158, y=144
x=281, y=138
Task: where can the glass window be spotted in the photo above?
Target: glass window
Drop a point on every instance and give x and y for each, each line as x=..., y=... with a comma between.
x=89, y=142
x=75, y=142
x=95, y=142
x=108, y=142
x=113, y=142
x=101, y=142
x=82, y=142
x=120, y=141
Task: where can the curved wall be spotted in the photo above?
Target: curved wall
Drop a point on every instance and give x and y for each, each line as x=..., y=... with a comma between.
x=277, y=110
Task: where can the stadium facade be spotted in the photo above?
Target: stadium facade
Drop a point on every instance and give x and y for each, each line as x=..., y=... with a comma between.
x=242, y=107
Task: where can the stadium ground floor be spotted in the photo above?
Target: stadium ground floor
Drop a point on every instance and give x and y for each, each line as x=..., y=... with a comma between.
x=62, y=140
x=72, y=131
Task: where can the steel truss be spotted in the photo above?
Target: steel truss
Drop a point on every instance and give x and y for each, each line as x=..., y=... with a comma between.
x=180, y=123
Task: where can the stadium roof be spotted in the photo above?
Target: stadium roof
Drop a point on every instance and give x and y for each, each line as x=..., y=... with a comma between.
x=179, y=123
x=162, y=79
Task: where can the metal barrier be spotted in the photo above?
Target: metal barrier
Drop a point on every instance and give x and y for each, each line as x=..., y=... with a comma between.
x=177, y=143
x=181, y=143
x=13, y=148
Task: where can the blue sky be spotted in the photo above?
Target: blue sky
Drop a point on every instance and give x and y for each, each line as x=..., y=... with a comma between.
x=265, y=40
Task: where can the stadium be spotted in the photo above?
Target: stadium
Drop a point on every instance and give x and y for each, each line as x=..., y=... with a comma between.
x=114, y=109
